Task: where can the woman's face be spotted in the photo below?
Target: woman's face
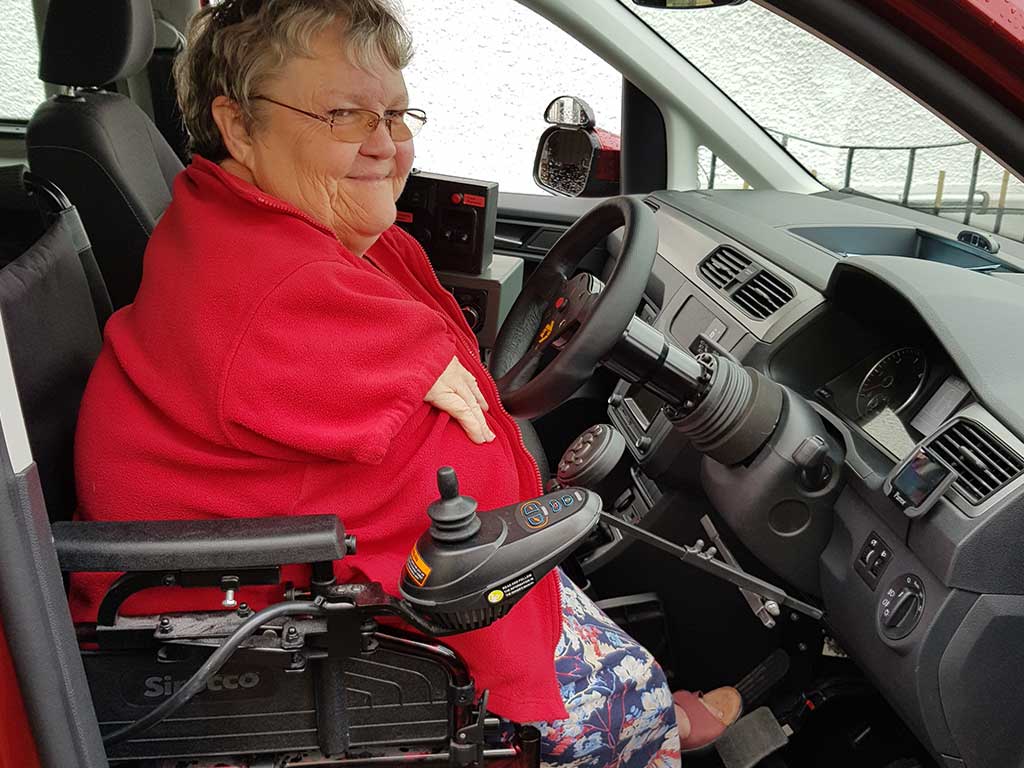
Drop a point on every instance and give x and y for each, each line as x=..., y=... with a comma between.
x=350, y=187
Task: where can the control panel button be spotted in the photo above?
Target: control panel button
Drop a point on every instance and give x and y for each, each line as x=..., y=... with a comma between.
x=715, y=330
x=535, y=514
x=873, y=559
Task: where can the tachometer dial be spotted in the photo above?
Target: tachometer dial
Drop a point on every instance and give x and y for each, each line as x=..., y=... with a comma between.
x=892, y=382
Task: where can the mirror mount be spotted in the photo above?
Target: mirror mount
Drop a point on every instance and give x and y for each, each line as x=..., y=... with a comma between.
x=575, y=158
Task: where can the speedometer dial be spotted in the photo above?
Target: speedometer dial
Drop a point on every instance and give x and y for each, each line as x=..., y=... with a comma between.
x=892, y=382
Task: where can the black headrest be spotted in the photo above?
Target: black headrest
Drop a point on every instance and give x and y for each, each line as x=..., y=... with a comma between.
x=95, y=43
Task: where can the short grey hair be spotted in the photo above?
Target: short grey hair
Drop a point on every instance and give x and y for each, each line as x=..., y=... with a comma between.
x=235, y=46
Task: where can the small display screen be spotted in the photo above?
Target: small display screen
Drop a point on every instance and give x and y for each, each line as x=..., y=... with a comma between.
x=645, y=402
x=919, y=478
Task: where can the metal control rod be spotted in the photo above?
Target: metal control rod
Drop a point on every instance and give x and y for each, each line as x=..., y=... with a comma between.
x=765, y=610
x=704, y=560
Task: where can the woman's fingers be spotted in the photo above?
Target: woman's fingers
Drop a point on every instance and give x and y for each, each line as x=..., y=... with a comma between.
x=456, y=393
x=469, y=415
x=477, y=393
x=473, y=413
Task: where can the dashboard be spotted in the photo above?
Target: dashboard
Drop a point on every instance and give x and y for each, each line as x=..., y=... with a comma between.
x=900, y=335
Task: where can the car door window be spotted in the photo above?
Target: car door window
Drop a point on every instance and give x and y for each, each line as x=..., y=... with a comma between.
x=845, y=124
x=484, y=72
x=20, y=88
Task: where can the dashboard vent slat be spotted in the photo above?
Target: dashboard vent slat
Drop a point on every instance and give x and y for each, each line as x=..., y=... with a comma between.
x=984, y=464
x=723, y=267
x=752, y=288
x=763, y=295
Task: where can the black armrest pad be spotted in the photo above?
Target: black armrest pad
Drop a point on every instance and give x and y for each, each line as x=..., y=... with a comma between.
x=198, y=545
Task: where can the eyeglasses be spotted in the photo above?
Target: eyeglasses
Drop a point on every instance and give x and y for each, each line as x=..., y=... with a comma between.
x=354, y=126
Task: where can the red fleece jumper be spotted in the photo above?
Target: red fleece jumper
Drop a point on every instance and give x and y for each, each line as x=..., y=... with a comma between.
x=266, y=370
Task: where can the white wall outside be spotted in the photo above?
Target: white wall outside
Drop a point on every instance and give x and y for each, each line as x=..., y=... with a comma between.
x=20, y=88
x=485, y=70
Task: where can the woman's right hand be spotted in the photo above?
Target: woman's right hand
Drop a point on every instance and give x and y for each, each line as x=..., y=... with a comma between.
x=456, y=393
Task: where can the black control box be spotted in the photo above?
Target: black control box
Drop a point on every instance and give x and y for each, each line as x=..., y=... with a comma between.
x=453, y=218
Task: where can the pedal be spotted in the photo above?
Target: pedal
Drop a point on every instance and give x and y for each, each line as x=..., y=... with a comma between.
x=762, y=678
x=751, y=739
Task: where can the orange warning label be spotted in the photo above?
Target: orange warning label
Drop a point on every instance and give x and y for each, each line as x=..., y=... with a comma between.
x=404, y=217
x=417, y=567
x=477, y=201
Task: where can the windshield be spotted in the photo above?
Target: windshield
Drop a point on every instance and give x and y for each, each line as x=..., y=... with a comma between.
x=846, y=125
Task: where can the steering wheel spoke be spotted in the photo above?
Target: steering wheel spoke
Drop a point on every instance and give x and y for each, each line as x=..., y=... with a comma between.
x=573, y=307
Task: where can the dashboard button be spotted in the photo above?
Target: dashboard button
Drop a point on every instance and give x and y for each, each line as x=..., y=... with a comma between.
x=873, y=559
x=715, y=330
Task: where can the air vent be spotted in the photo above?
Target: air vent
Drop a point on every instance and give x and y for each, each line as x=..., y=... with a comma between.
x=762, y=295
x=724, y=268
x=982, y=461
x=978, y=240
x=756, y=291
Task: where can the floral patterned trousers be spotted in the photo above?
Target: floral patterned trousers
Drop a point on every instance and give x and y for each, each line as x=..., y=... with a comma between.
x=620, y=708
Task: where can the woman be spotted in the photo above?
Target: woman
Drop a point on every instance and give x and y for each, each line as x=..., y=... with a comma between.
x=290, y=351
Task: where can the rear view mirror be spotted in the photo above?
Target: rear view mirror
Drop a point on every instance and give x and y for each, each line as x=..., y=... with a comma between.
x=574, y=157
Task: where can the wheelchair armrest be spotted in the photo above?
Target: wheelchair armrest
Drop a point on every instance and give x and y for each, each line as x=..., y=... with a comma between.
x=199, y=545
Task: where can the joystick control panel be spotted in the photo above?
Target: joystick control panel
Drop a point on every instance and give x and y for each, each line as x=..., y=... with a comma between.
x=469, y=568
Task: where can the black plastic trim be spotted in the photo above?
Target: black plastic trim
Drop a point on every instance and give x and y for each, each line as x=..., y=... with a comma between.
x=644, y=159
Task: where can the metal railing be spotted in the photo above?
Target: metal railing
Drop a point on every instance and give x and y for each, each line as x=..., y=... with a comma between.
x=975, y=202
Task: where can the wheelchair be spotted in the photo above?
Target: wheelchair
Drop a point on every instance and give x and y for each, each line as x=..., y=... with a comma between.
x=331, y=674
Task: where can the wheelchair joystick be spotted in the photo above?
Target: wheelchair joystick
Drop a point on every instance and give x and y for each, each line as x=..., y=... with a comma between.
x=467, y=570
x=453, y=517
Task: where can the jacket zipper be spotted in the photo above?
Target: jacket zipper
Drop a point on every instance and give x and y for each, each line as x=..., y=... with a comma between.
x=556, y=626
x=459, y=340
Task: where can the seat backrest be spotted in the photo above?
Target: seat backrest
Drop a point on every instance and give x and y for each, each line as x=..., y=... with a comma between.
x=99, y=147
x=49, y=311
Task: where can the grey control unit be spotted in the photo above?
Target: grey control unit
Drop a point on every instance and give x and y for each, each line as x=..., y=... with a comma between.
x=486, y=298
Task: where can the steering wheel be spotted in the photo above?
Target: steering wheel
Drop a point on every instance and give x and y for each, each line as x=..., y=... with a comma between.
x=579, y=319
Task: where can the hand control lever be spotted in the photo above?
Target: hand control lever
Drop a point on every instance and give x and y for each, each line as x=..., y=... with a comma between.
x=765, y=610
x=704, y=560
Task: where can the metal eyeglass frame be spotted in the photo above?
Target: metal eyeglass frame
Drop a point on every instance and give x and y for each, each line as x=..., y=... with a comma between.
x=388, y=117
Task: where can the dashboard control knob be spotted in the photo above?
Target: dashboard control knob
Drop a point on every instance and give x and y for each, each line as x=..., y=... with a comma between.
x=811, y=458
x=901, y=606
x=471, y=314
x=870, y=558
